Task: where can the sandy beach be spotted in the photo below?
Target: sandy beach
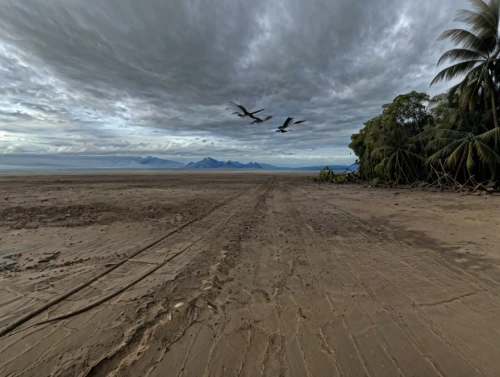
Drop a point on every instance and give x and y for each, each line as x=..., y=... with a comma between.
x=244, y=274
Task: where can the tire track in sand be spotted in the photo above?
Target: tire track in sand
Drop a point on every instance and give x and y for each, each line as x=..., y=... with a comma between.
x=120, y=357
x=7, y=329
x=429, y=335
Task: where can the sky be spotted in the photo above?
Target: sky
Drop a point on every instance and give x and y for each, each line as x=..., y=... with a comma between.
x=152, y=77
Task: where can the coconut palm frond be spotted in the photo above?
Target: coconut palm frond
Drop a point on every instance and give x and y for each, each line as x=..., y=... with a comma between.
x=463, y=37
x=449, y=134
x=414, y=155
x=455, y=70
x=448, y=145
x=457, y=154
x=491, y=136
x=470, y=158
x=487, y=155
x=477, y=52
x=436, y=157
x=482, y=21
x=460, y=54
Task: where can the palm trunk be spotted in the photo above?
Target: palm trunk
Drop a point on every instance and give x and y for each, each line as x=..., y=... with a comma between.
x=491, y=89
x=494, y=107
x=495, y=116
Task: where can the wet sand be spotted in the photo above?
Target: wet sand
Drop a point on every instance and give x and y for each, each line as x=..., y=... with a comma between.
x=244, y=274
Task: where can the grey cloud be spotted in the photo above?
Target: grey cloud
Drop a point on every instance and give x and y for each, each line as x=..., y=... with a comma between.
x=116, y=76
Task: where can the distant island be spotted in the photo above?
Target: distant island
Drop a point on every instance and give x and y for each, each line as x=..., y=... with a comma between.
x=41, y=162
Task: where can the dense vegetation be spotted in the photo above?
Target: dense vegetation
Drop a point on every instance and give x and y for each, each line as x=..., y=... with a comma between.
x=454, y=136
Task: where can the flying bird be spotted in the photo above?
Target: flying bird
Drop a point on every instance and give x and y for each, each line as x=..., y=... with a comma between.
x=260, y=120
x=283, y=127
x=288, y=122
x=242, y=112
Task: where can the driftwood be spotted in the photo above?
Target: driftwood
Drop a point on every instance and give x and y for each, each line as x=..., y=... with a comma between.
x=417, y=183
x=445, y=181
x=439, y=179
x=481, y=186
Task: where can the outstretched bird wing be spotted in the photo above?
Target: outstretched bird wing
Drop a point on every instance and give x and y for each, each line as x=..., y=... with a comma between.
x=286, y=124
x=258, y=111
x=238, y=108
x=256, y=120
x=260, y=120
x=300, y=121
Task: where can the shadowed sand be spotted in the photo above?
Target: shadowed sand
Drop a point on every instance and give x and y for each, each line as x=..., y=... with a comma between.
x=209, y=274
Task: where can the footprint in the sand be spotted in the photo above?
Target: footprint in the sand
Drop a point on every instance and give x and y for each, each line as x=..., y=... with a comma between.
x=261, y=296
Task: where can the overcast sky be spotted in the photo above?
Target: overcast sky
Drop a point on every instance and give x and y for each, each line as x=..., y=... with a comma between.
x=151, y=77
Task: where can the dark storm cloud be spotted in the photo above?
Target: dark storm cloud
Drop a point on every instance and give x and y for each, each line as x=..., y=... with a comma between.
x=124, y=75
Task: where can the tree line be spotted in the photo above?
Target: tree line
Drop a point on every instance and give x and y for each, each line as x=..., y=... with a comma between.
x=455, y=135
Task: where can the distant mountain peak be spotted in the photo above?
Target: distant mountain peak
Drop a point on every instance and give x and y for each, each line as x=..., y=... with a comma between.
x=155, y=161
x=211, y=163
x=77, y=162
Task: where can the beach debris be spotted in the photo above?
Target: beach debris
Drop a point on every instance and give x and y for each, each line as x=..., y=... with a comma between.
x=301, y=313
x=178, y=305
x=211, y=306
x=49, y=257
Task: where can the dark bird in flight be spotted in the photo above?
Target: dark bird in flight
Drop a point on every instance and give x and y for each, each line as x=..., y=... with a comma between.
x=288, y=122
x=242, y=112
x=260, y=120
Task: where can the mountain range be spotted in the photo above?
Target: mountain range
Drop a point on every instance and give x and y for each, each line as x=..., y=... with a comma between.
x=54, y=162
x=210, y=163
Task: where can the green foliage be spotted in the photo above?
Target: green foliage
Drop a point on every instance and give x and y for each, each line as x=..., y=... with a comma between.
x=326, y=175
x=375, y=182
x=465, y=153
x=399, y=148
x=387, y=147
x=398, y=161
x=457, y=133
x=407, y=111
x=475, y=58
x=341, y=178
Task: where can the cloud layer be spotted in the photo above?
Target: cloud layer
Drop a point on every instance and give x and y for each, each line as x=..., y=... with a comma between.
x=152, y=76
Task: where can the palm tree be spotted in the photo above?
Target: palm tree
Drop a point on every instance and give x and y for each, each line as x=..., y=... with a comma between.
x=477, y=55
x=464, y=152
x=399, y=162
x=363, y=143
